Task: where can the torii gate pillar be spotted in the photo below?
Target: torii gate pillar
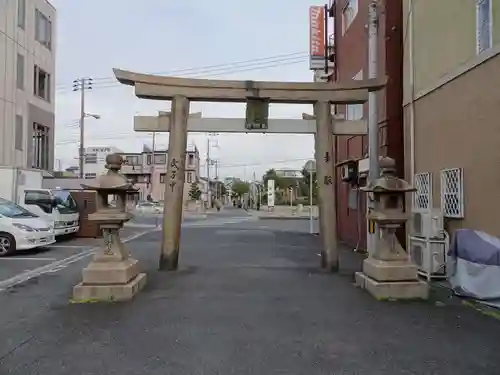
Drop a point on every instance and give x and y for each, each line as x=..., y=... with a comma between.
x=174, y=184
x=325, y=182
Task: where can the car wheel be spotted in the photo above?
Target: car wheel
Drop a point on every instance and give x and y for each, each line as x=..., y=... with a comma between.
x=7, y=244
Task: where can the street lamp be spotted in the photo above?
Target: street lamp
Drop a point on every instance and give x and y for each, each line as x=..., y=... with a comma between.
x=82, y=138
x=97, y=117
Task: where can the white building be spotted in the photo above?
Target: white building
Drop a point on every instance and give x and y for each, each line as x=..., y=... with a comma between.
x=95, y=160
x=27, y=83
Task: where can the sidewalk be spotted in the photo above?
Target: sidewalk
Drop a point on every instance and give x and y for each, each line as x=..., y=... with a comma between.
x=284, y=213
x=245, y=301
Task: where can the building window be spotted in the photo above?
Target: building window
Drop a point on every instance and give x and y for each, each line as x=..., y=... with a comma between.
x=452, y=193
x=19, y=136
x=162, y=178
x=348, y=14
x=189, y=177
x=90, y=159
x=20, y=72
x=190, y=159
x=90, y=175
x=161, y=159
x=43, y=29
x=40, y=146
x=484, y=27
x=21, y=14
x=145, y=179
x=422, y=197
x=131, y=160
x=355, y=111
x=41, y=83
x=149, y=159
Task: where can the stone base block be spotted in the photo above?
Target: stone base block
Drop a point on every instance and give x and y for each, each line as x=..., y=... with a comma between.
x=104, y=273
x=118, y=292
x=390, y=270
x=399, y=290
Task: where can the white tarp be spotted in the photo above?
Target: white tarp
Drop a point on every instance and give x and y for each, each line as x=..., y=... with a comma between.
x=474, y=269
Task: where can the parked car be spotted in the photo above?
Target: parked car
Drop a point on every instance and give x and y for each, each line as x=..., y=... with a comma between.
x=21, y=229
x=149, y=208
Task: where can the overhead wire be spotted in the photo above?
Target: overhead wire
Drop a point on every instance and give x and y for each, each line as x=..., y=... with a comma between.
x=110, y=79
x=210, y=72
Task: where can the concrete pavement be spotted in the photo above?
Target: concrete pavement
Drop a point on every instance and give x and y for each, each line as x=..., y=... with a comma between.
x=249, y=299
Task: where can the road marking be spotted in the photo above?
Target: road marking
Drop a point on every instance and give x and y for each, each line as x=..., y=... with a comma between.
x=29, y=258
x=56, y=266
x=68, y=246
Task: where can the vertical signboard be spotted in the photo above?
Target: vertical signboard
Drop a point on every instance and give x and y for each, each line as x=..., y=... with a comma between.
x=316, y=37
x=270, y=193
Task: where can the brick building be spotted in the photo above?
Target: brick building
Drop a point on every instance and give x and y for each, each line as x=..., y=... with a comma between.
x=351, y=60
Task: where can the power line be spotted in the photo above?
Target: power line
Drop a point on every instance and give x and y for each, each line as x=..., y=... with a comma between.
x=218, y=72
x=261, y=163
x=110, y=79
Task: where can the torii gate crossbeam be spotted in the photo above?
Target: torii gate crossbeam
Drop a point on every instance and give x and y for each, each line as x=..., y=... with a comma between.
x=183, y=90
x=161, y=123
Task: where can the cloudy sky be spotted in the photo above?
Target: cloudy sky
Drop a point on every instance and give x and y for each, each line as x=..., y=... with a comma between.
x=257, y=40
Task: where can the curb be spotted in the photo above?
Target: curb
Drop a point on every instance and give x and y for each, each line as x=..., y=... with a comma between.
x=285, y=218
x=442, y=294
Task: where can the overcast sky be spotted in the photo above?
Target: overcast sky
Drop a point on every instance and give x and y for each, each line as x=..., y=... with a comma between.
x=165, y=36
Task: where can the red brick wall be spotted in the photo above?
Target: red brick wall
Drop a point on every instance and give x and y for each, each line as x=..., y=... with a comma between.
x=351, y=57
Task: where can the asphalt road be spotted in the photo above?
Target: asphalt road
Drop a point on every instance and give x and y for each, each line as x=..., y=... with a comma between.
x=248, y=299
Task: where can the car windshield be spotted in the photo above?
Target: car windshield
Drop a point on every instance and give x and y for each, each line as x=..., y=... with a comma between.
x=10, y=209
x=65, y=202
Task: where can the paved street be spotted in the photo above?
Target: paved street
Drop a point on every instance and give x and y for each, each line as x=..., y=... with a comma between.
x=248, y=299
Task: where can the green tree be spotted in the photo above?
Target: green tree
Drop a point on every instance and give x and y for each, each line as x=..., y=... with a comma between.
x=239, y=187
x=304, y=186
x=195, y=192
x=279, y=183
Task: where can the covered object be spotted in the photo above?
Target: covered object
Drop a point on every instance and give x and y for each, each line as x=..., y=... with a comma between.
x=474, y=266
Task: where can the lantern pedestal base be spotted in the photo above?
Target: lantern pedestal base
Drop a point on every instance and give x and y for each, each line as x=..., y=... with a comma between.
x=386, y=280
x=109, y=292
x=108, y=280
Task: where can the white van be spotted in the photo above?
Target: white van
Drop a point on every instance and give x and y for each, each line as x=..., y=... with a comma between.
x=21, y=229
x=56, y=206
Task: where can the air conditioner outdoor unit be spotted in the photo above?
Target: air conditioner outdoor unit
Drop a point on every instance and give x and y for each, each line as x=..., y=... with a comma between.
x=427, y=224
x=429, y=256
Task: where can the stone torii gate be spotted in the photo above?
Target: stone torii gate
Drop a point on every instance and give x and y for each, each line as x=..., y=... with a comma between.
x=178, y=122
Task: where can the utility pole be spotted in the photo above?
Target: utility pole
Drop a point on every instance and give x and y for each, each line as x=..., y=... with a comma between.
x=208, y=173
x=373, y=127
x=153, y=165
x=82, y=84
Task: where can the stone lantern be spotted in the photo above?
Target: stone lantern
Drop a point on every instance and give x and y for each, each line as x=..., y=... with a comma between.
x=111, y=275
x=388, y=272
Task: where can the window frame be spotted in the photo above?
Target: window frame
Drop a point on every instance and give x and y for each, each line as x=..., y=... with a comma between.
x=348, y=7
x=355, y=111
x=20, y=71
x=21, y=14
x=19, y=133
x=41, y=18
x=47, y=83
x=479, y=4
